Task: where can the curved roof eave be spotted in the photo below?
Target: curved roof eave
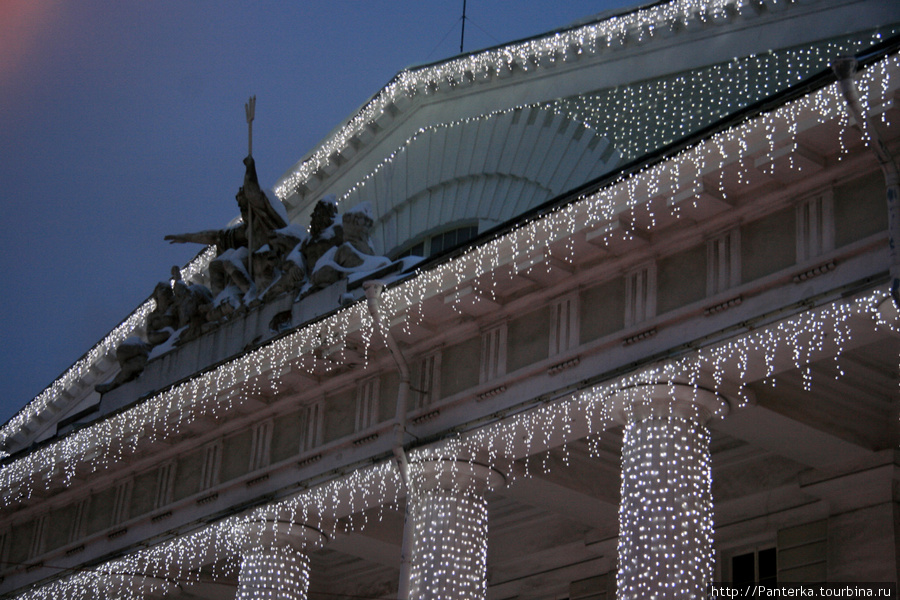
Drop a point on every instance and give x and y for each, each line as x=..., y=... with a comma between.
x=805, y=87
x=591, y=20
x=641, y=22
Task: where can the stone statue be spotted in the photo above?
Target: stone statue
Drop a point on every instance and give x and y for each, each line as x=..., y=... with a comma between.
x=354, y=251
x=357, y=224
x=162, y=320
x=132, y=355
x=324, y=234
x=286, y=260
x=192, y=303
x=236, y=246
x=257, y=212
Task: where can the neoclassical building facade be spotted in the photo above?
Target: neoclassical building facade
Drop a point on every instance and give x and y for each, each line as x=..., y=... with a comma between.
x=619, y=322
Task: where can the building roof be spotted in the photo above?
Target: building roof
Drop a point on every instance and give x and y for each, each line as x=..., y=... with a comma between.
x=614, y=86
x=709, y=176
x=584, y=102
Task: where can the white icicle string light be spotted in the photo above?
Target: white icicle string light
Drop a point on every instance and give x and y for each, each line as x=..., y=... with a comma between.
x=449, y=554
x=631, y=115
x=95, y=446
x=665, y=514
x=753, y=355
x=561, y=46
x=273, y=573
x=101, y=350
x=582, y=110
x=179, y=560
x=108, y=441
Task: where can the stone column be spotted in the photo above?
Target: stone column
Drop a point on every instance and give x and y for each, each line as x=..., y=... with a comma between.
x=448, y=514
x=274, y=563
x=665, y=512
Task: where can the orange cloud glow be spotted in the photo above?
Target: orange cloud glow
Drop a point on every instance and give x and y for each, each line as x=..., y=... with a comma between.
x=23, y=26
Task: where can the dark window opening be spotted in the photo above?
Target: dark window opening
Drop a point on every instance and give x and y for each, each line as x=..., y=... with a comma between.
x=449, y=239
x=441, y=242
x=417, y=250
x=755, y=567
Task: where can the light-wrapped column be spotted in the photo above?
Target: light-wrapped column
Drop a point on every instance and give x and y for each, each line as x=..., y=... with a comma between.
x=665, y=512
x=448, y=514
x=274, y=572
x=274, y=563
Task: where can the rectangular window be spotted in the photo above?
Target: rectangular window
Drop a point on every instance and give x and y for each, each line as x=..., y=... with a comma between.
x=493, y=353
x=367, y=403
x=37, y=539
x=79, y=520
x=815, y=226
x=723, y=262
x=428, y=382
x=260, y=445
x=165, y=484
x=122, y=501
x=4, y=551
x=640, y=294
x=564, y=325
x=310, y=426
x=212, y=465
x=452, y=238
x=417, y=250
x=758, y=566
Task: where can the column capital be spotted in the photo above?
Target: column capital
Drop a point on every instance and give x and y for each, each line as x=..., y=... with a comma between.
x=456, y=475
x=664, y=400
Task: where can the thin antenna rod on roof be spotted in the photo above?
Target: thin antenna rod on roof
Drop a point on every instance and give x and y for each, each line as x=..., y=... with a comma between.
x=462, y=36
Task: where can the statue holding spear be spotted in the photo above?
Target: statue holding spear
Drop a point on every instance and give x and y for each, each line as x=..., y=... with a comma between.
x=258, y=215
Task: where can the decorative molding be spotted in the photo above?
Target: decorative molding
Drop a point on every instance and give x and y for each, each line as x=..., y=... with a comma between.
x=258, y=480
x=717, y=308
x=208, y=499
x=162, y=516
x=639, y=337
x=491, y=393
x=566, y=364
x=426, y=417
x=308, y=461
x=815, y=271
x=365, y=440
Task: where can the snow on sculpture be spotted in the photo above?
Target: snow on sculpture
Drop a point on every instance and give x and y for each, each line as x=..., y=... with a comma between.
x=257, y=260
x=324, y=233
x=354, y=254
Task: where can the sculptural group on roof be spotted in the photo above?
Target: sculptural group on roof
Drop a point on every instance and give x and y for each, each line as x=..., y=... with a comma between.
x=258, y=259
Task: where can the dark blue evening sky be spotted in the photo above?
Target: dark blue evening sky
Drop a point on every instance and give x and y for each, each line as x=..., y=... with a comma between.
x=121, y=122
